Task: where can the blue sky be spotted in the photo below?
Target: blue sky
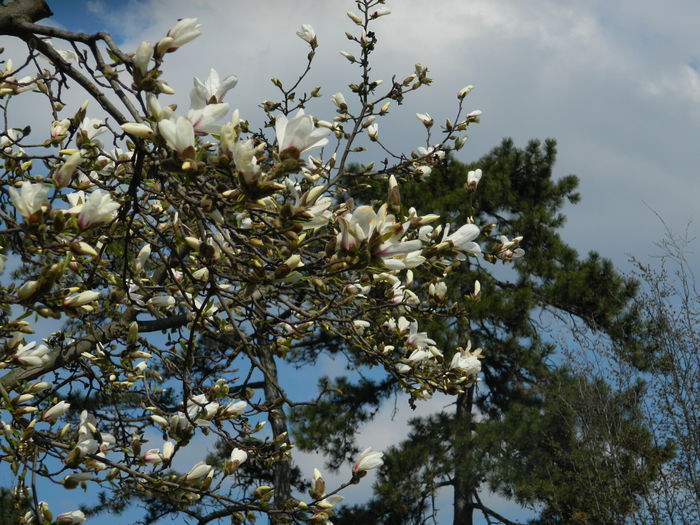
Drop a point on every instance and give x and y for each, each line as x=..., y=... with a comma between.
x=616, y=83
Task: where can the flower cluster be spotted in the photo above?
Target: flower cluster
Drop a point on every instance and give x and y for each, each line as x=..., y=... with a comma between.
x=199, y=249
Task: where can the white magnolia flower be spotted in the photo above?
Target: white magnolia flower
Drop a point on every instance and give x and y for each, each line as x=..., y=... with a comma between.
x=425, y=118
x=92, y=127
x=98, y=207
x=143, y=255
x=198, y=471
x=431, y=153
x=237, y=458
x=369, y=459
x=138, y=129
x=203, y=119
x=462, y=240
x=299, y=135
x=70, y=518
x=143, y=56
x=235, y=408
x=467, y=362
x=509, y=248
x=473, y=178
x=364, y=224
x=186, y=30
x=152, y=456
x=31, y=355
x=59, y=127
x=80, y=299
x=157, y=111
x=199, y=407
x=56, y=411
x=162, y=301
x=30, y=199
x=244, y=157
x=168, y=450
x=474, y=116
x=178, y=134
x=373, y=131
x=307, y=34
x=63, y=175
x=464, y=91
x=211, y=91
x=339, y=100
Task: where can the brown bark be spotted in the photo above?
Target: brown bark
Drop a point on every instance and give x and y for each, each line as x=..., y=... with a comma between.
x=464, y=483
x=281, y=470
x=14, y=14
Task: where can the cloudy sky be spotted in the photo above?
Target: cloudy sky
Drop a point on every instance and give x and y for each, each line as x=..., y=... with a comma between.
x=616, y=83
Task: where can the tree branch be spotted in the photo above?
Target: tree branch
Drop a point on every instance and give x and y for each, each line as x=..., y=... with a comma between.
x=62, y=356
x=22, y=11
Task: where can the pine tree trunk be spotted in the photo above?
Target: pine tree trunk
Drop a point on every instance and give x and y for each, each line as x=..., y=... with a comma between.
x=464, y=480
x=278, y=424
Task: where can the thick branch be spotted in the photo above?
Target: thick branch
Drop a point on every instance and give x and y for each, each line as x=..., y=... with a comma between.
x=62, y=356
x=67, y=354
x=22, y=11
x=486, y=510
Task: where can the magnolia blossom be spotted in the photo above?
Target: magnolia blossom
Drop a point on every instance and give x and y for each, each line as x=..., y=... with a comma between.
x=56, y=411
x=157, y=111
x=91, y=127
x=143, y=56
x=369, y=460
x=438, y=290
x=364, y=224
x=425, y=118
x=63, y=175
x=466, y=362
x=152, y=456
x=80, y=299
x=462, y=240
x=235, y=408
x=373, y=131
x=98, y=207
x=198, y=471
x=155, y=456
x=138, y=129
x=30, y=199
x=59, y=128
x=509, y=248
x=473, y=178
x=464, y=91
x=162, y=301
x=431, y=154
x=244, y=157
x=237, y=458
x=339, y=100
x=31, y=355
x=178, y=134
x=70, y=518
x=299, y=135
x=307, y=34
x=199, y=409
x=212, y=90
x=186, y=30
x=203, y=119
x=143, y=256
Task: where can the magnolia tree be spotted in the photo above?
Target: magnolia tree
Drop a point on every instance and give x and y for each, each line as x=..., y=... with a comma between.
x=183, y=252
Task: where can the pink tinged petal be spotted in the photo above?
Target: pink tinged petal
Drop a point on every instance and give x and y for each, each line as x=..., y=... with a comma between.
x=368, y=460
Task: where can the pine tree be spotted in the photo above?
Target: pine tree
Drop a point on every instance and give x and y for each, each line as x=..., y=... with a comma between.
x=530, y=429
